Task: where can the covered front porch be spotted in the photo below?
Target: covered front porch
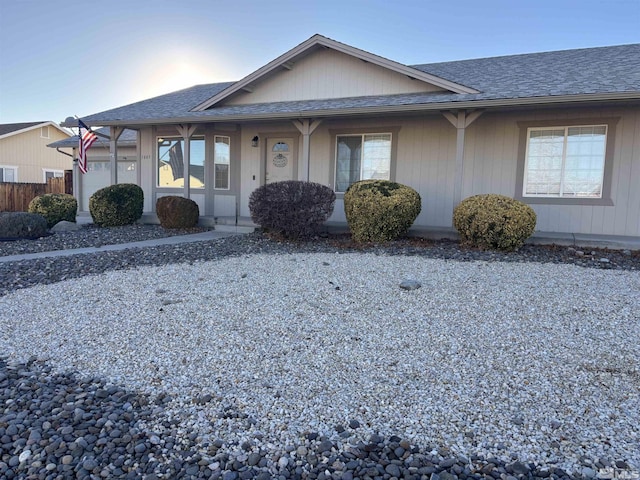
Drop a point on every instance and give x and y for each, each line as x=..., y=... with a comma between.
x=218, y=165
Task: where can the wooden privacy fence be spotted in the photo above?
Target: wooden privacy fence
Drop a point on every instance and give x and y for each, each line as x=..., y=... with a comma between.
x=15, y=197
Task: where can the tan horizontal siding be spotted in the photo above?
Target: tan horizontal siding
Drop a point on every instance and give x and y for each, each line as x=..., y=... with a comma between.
x=29, y=152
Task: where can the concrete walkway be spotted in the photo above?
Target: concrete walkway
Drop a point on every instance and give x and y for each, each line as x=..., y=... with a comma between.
x=195, y=237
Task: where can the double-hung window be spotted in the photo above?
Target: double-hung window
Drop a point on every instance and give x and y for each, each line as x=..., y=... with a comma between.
x=362, y=157
x=565, y=162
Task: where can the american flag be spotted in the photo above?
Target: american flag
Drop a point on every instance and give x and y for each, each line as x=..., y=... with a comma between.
x=86, y=140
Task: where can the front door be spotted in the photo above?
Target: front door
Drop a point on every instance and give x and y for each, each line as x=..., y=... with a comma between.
x=280, y=160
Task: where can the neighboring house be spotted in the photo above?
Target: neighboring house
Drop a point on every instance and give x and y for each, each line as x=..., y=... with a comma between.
x=99, y=163
x=24, y=156
x=558, y=130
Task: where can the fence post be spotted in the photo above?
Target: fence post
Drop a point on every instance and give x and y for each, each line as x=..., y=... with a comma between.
x=68, y=182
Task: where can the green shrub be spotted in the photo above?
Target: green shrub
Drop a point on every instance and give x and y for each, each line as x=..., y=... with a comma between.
x=380, y=210
x=15, y=225
x=55, y=207
x=177, y=212
x=292, y=208
x=116, y=205
x=494, y=222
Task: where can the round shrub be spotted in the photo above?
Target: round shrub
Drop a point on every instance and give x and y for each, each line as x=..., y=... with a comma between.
x=177, y=212
x=55, y=207
x=116, y=205
x=494, y=222
x=291, y=208
x=380, y=210
x=15, y=225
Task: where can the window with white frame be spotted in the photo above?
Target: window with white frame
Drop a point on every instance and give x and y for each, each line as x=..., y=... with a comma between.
x=8, y=174
x=52, y=174
x=362, y=157
x=44, y=132
x=222, y=162
x=565, y=162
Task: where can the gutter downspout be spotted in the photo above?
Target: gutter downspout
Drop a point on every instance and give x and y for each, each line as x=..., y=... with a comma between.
x=64, y=153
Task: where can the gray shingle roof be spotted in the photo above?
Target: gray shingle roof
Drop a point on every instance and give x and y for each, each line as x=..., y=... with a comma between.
x=165, y=106
x=127, y=138
x=567, y=72
x=603, y=70
x=14, y=127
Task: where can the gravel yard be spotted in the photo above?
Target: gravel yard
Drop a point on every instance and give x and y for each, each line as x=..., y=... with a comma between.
x=253, y=356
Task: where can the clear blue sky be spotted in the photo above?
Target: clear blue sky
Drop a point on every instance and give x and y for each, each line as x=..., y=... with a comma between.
x=69, y=57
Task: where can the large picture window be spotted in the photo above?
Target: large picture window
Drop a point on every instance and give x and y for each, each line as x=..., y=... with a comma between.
x=565, y=162
x=171, y=163
x=222, y=162
x=362, y=157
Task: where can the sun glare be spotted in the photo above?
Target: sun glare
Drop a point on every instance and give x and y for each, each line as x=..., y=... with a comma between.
x=177, y=70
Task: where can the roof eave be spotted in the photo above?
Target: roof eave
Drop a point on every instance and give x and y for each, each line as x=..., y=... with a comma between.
x=436, y=106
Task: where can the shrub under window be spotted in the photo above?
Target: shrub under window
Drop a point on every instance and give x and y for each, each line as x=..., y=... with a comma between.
x=362, y=157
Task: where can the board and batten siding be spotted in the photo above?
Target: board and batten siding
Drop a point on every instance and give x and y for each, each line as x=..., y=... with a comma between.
x=329, y=74
x=425, y=160
x=490, y=164
x=426, y=151
x=29, y=152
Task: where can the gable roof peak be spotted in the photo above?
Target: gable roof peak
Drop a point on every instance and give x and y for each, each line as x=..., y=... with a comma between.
x=308, y=46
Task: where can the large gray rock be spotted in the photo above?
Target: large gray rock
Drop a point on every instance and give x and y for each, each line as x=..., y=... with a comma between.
x=410, y=284
x=65, y=226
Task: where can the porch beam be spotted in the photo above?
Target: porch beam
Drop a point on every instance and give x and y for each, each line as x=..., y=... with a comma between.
x=306, y=127
x=186, y=132
x=460, y=120
x=114, y=135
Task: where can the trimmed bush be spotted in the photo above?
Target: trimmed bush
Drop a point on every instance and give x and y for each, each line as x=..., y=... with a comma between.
x=177, y=212
x=292, y=208
x=380, y=210
x=494, y=221
x=116, y=205
x=15, y=225
x=55, y=207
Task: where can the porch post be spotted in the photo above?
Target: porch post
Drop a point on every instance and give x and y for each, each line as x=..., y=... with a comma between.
x=306, y=128
x=186, y=131
x=114, y=135
x=77, y=181
x=461, y=121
